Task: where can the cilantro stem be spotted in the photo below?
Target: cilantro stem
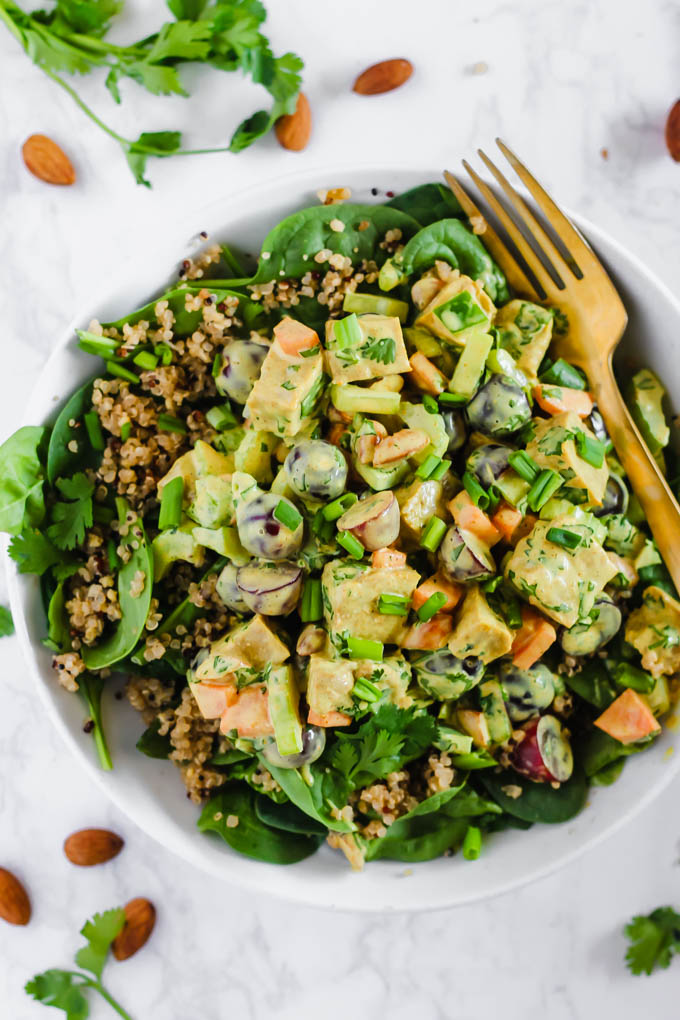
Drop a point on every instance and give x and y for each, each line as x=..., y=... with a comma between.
x=85, y=108
x=110, y=999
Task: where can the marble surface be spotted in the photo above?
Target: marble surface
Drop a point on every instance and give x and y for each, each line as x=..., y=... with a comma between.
x=561, y=83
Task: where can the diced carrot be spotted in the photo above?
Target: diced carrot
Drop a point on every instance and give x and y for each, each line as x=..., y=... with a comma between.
x=388, y=558
x=426, y=375
x=471, y=518
x=556, y=399
x=336, y=432
x=294, y=337
x=328, y=719
x=628, y=719
x=213, y=698
x=249, y=714
x=454, y=593
x=533, y=638
x=402, y=444
x=431, y=635
x=506, y=519
x=475, y=725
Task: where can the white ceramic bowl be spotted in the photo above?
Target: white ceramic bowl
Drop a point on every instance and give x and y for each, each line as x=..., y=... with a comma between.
x=150, y=792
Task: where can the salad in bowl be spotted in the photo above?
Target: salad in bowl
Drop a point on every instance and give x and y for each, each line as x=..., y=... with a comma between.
x=358, y=539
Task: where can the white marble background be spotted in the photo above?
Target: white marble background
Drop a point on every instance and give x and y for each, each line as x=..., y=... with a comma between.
x=562, y=82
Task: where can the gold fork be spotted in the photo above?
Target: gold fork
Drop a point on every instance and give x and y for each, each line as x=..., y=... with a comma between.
x=575, y=283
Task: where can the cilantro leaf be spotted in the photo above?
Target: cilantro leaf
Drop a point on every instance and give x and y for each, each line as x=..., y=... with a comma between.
x=58, y=988
x=383, y=350
x=654, y=939
x=71, y=519
x=138, y=152
x=100, y=933
x=87, y=17
x=191, y=9
x=33, y=552
x=186, y=40
x=6, y=622
x=383, y=744
x=156, y=78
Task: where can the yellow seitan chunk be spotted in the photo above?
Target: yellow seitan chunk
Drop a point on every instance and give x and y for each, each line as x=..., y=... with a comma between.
x=654, y=630
x=524, y=331
x=480, y=309
x=563, y=583
x=329, y=684
x=350, y=596
x=553, y=446
x=252, y=643
x=285, y=392
x=418, y=503
x=380, y=352
x=478, y=631
x=393, y=675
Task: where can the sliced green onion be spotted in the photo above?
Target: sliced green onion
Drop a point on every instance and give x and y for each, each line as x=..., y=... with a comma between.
x=112, y=555
x=393, y=605
x=322, y=528
x=428, y=609
x=457, y=399
x=347, y=332
x=146, y=360
x=567, y=539
x=94, y=430
x=477, y=494
x=364, y=690
x=338, y=506
x=221, y=417
x=168, y=423
x=561, y=373
x=524, y=465
x=92, y=343
x=493, y=583
x=216, y=365
x=494, y=499
x=351, y=544
x=590, y=450
x=171, y=504
x=311, y=607
x=626, y=675
x=433, y=534
x=364, y=648
x=164, y=353
x=125, y=430
x=288, y=515
x=547, y=483
x=430, y=404
x=428, y=467
x=472, y=844
x=440, y=470
x=123, y=373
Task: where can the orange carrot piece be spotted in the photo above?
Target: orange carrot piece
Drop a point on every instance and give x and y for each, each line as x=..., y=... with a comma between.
x=454, y=593
x=534, y=637
x=471, y=518
x=213, y=698
x=328, y=719
x=556, y=399
x=294, y=337
x=388, y=558
x=426, y=375
x=249, y=715
x=506, y=519
x=431, y=635
x=628, y=719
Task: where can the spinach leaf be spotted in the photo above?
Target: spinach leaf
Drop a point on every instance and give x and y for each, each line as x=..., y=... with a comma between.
x=609, y=774
x=58, y=631
x=287, y=817
x=252, y=836
x=427, y=203
x=312, y=800
x=419, y=838
x=152, y=744
x=469, y=804
x=134, y=609
x=245, y=770
x=90, y=688
x=452, y=242
x=596, y=750
x=185, y=321
x=593, y=684
x=22, y=502
x=538, y=802
x=473, y=760
x=61, y=461
x=229, y=757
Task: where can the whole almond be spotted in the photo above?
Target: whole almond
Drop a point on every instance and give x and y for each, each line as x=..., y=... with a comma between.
x=46, y=160
x=15, y=906
x=92, y=846
x=140, y=917
x=293, y=130
x=673, y=131
x=383, y=77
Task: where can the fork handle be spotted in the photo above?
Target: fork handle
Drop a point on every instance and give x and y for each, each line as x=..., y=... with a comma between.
x=651, y=488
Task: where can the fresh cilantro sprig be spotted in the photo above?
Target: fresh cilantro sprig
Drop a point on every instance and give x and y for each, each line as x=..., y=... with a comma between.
x=384, y=743
x=65, y=989
x=73, y=517
x=654, y=939
x=6, y=622
x=223, y=34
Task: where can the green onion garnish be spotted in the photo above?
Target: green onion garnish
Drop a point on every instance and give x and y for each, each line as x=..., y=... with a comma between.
x=626, y=675
x=547, y=483
x=125, y=430
x=164, y=353
x=123, y=373
x=94, y=430
x=288, y=515
x=590, y=450
x=474, y=490
x=171, y=504
x=364, y=648
x=457, y=399
x=430, y=404
x=428, y=609
x=322, y=528
x=567, y=539
x=216, y=365
x=561, y=373
x=92, y=343
x=524, y=465
x=433, y=534
x=168, y=423
x=393, y=605
x=221, y=417
x=338, y=506
x=311, y=607
x=428, y=467
x=146, y=360
x=347, y=332
x=472, y=843
x=364, y=690
x=351, y=544
x=440, y=470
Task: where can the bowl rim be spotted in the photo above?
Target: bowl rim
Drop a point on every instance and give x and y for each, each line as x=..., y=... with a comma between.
x=184, y=228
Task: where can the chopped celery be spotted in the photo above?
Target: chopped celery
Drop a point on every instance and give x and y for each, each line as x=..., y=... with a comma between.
x=423, y=341
x=377, y=304
x=352, y=399
x=468, y=372
x=501, y=363
x=284, y=710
